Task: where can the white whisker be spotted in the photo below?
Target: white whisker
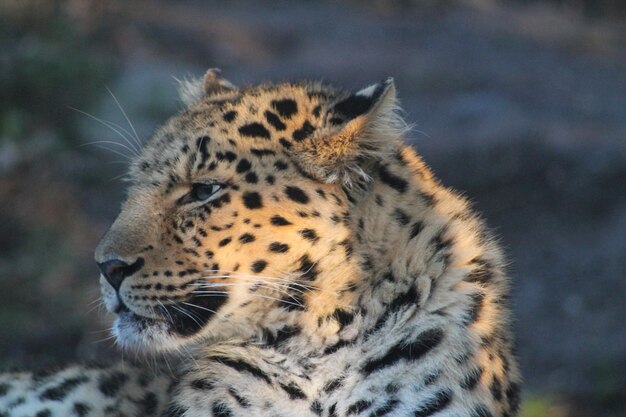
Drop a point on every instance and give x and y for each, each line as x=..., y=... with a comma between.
x=110, y=142
x=126, y=117
x=128, y=158
x=113, y=126
x=185, y=312
x=263, y=296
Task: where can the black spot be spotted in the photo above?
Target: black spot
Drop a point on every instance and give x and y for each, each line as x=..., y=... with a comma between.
x=240, y=400
x=304, y=132
x=247, y=238
x=219, y=409
x=258, y=266
x=251, y=178
x=201, y=145
x=334, y=348
x=480, y=275
x=174, y=411
x=331, y=386
x=229, y=116
x=416, y=229
x=44, y=413
x=385, y=409
x=307, y=268
x=294, y=392
x=432, y=377
x=252, y=200
x=286, y=144
x=262, y=152
x=392, y=180
x=496, y=389
x=359, y=407
x=220, y=156
x=409, y=298
x=481, y=411
x=148, y=404
x=255, y=130
x=296, y=194
x=202, y=384
x=316, y=407
x=309, y=234
x=279, y=221
x=278, y=247
x=440, y=242
x=110, y=384
x=81, y=409
x=242, y=366
x=273, y=120
x=282, y=335
x=225, y=241
x=230, y=156
x=60, y=391
x=434, y=405
x=347, y=245
x=513, y=397
x=471, y=378
x=331, y=410
x=343, y=317
x=423, y=344
x=401, y=217
x=4, y=388
x=270, y=179
x=281, y=165
x=294, y=299
x=243, y=165
x=475, y=308
x=285, y=107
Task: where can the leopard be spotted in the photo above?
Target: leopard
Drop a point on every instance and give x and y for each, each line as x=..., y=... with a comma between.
x=301, y=259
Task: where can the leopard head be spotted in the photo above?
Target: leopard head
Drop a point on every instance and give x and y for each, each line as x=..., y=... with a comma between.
x=237, y=217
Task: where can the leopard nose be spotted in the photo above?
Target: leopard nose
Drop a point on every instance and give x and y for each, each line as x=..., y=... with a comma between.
x=116, y=270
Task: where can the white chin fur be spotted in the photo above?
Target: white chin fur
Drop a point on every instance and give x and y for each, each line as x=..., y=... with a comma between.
x=155, y=337
x=108, y=295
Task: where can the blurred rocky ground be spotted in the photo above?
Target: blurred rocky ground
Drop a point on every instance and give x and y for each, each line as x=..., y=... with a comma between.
x=522, y=105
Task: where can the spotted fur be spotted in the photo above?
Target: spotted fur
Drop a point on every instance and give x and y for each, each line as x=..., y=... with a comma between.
x=307, y=259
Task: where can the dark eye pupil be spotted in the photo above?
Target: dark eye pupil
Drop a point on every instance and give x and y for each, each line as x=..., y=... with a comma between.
x=201, y=192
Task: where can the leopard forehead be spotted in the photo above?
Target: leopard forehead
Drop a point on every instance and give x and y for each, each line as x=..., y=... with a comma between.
x=260, y=123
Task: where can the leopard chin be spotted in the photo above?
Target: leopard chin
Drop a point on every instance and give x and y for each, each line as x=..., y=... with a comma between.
x=176, y=324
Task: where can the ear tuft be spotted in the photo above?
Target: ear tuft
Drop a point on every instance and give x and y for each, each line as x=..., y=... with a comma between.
x=192, y=90
x=359, y=129
x=214, y=83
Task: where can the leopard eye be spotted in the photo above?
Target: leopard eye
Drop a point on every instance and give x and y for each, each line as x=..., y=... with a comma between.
x=200, y=192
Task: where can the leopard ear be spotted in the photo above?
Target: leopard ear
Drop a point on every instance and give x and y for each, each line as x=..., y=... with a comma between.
x=194, y=89
x=358, y=130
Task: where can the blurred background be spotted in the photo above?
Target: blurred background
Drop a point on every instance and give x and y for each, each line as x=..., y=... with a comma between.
x=519, y=104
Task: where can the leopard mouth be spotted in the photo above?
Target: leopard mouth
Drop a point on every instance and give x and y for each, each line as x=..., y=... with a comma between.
x=185, y=318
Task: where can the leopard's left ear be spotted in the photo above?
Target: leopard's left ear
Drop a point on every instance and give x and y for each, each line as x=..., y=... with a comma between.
x=358, y=130
x=194, y=89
